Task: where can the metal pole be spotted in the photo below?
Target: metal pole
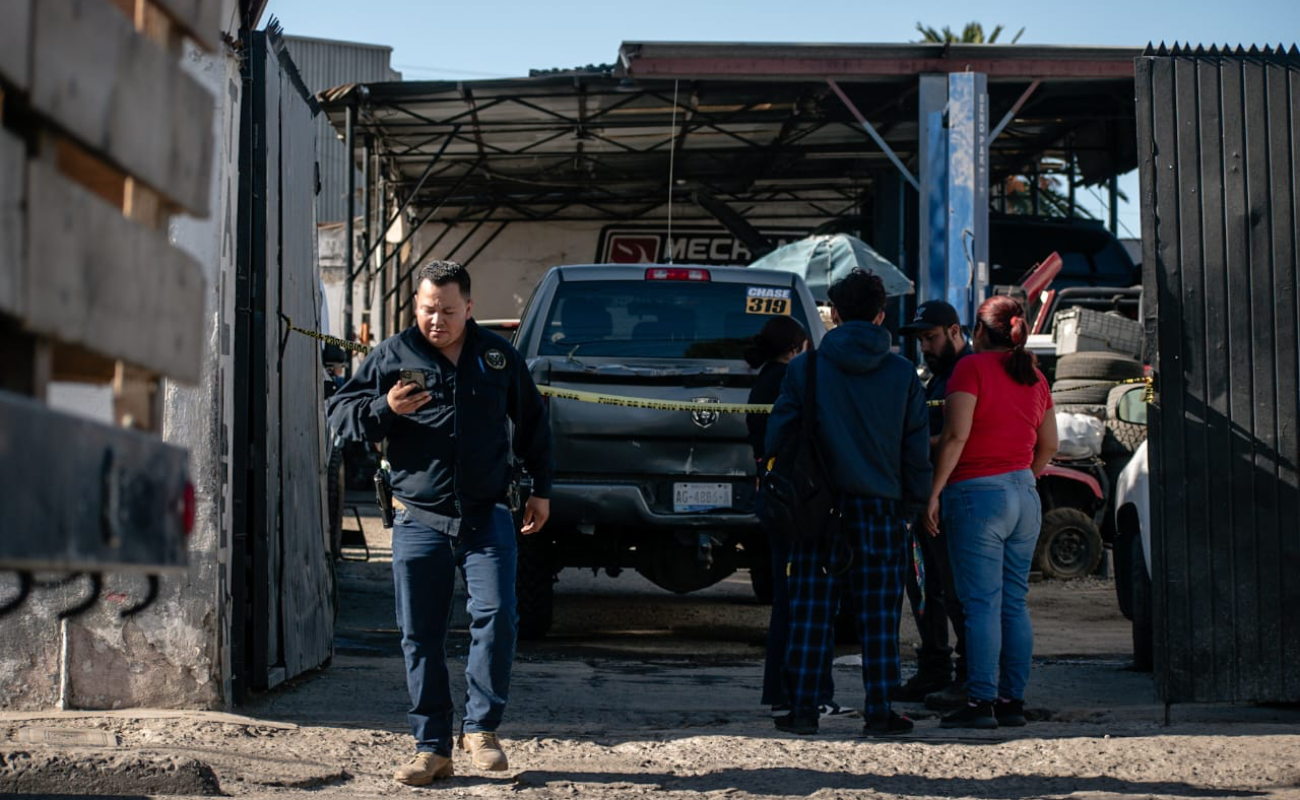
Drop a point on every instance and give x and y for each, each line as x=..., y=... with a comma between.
x=348, y=142
x=365, y=228
x=1114, y=205
x=383, y=269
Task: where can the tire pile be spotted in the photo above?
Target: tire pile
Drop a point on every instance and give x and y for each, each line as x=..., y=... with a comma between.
x=1084, y=386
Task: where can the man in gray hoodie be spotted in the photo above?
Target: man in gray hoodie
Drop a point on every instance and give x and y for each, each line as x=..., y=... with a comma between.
x=874, y=431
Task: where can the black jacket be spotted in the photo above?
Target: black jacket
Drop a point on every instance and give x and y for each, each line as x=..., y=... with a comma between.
x=870, y=416
x=451, y=459
x=937, y=389
x=766, y=388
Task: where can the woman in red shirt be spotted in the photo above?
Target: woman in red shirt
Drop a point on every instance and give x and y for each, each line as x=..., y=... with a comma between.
x=999, y=434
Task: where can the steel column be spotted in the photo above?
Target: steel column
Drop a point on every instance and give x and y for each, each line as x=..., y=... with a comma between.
x=968, y=188
x=931, y=272
x=349, y=141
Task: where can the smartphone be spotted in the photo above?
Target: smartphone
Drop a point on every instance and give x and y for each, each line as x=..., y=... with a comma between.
x=415, y=376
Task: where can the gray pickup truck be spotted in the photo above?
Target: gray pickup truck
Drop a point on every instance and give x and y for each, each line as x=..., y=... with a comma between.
x=667, y=493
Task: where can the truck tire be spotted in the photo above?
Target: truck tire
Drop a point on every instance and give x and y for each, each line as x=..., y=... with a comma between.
x=1080, y=392
x=1098, y=367
x=1069, y=545
x=1122, y=438
x=535, y=585
x=1141, y=605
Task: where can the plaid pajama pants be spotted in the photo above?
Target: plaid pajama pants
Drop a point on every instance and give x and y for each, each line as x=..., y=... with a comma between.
x=874, y=531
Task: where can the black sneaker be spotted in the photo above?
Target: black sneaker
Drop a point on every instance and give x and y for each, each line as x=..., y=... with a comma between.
x=833, y=709
x=978, y=714
x=888, y=724
x=917, y=687
x=779, y=710
x=1010, y=713
x=796, y=723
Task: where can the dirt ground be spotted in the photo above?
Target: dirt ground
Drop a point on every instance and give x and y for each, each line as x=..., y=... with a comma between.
x=642, y=693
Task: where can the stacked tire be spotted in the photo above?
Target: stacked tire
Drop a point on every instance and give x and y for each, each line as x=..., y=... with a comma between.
x=1084, y=381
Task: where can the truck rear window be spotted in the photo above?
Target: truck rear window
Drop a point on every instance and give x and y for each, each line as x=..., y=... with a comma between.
x=662, y=319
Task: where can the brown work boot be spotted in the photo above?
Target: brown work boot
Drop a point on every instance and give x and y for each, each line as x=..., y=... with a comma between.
x=485, y=751
x=423, y=769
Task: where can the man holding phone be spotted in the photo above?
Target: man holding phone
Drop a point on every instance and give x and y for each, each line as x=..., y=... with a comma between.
x=453, y=400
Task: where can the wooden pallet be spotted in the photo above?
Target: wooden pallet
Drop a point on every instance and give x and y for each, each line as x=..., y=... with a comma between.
x=104, y=138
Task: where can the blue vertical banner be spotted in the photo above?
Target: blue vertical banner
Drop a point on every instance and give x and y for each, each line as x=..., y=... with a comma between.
x=932, y=253
x=966, y=231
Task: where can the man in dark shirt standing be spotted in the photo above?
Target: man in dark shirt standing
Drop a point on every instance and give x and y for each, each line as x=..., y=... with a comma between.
x=442, y=393
x=938, y=329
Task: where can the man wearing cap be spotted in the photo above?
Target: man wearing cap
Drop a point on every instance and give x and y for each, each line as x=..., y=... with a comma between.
x=938, y=329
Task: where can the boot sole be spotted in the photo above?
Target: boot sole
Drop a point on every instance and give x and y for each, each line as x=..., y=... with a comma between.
x=446, y=772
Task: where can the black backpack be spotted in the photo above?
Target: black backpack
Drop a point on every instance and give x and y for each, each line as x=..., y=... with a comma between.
x=799, y=498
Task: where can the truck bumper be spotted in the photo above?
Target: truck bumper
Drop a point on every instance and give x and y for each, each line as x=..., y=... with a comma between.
x=579, y=503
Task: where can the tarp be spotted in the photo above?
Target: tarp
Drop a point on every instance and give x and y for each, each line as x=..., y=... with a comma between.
x=822, y=260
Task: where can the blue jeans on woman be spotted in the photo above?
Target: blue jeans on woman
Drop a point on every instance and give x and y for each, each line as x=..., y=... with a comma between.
x=992, y=525
x=424, y=565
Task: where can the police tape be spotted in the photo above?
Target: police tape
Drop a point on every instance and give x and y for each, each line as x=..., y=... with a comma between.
x=654, y=404
x=321, y=337
x=674, y=405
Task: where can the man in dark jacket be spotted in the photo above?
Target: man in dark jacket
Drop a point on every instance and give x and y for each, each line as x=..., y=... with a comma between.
x=442, y=393
x=937, y=328
x=872, y=425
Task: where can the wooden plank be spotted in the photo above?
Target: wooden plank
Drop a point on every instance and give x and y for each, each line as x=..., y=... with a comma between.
x=1278, y=570
x=124, y=96
x=73, y=364
x=1214, y=352
x=13, y=177
x=137, y=401
x=1200, y=643
x=1239, y=461
x=1169, y=541
x=305, y=603
x=15, y=42
x=200, y=19
x=1261, y=658
x=273, y=328
x=127, y=512
x=92, y=172
x=108, y=284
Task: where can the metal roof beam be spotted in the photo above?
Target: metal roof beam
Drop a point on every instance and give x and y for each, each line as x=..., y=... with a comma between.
x=880, y=140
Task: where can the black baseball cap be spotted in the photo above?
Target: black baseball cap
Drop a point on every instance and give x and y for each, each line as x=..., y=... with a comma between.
x=934, y=314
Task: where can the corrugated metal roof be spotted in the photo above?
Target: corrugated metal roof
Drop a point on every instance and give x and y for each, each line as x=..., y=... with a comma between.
x=326, y=63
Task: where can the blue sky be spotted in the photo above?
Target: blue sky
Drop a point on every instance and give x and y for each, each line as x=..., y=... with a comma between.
x=496, y=38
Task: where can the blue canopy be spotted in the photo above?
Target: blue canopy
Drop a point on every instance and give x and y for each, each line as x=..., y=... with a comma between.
x=822, y=260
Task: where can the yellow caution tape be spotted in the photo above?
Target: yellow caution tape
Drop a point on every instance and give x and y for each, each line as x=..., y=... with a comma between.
x=344, y=343
x=657, y=405
x=679, y=405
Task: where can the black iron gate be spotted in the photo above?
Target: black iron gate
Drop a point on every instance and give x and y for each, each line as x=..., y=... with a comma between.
x=282, y=619
x=1219, y=149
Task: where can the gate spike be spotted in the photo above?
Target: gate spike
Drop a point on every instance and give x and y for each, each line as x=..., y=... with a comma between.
x=1254, y=50
x=1214, y=49
x=1294, y=52
x=1240, y=51
x=1150, y=49
x=1200, y=50
x=1162, y=50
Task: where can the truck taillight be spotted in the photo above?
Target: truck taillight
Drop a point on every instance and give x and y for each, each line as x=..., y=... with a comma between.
x=676, y=274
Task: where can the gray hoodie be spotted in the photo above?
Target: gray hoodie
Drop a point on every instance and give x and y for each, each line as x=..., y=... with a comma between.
x=871, y=415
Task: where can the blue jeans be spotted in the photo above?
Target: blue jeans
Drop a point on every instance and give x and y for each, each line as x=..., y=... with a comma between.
x=424, y=564
x=992, y=526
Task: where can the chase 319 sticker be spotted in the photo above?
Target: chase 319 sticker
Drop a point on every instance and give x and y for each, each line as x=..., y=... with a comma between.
x=767, y=300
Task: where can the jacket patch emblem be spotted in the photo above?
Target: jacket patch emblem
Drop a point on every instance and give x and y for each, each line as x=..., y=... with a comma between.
x=495, y=359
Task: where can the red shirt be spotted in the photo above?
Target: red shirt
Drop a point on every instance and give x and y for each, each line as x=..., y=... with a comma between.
x=1007, y=416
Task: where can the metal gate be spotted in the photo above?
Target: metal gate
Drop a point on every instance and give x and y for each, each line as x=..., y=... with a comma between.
x=282, y=576
x=1219, y=149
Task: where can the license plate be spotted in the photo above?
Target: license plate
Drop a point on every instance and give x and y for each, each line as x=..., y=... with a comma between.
x=690, y=497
